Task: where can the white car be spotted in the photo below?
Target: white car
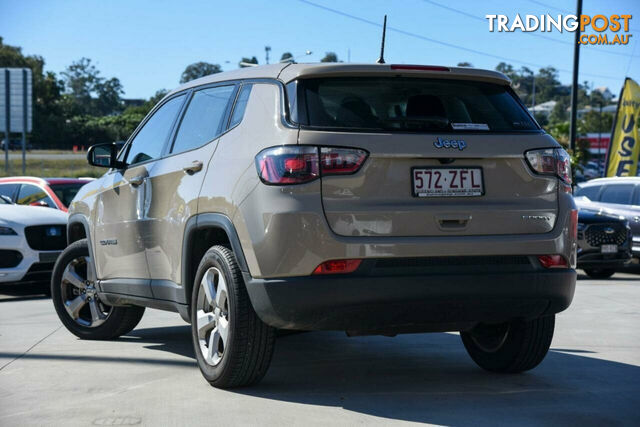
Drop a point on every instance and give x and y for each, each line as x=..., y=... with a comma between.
x=31, y=238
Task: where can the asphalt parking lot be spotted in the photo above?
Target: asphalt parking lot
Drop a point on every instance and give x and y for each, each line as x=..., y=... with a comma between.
x=590, y=377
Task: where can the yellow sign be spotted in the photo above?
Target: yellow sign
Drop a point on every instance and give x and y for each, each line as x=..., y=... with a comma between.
x=622, y=158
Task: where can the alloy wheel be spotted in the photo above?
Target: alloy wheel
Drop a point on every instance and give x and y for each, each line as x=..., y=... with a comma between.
x=212, y=316
x=79, y=294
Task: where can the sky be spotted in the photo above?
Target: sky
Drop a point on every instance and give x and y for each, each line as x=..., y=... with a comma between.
x=148, y=43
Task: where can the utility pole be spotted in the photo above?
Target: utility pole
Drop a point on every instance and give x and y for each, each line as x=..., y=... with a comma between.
x=573, y=133
x=267, y=49
x=7, y=115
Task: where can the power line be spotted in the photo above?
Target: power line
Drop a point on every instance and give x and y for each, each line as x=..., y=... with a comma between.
x=542, y=36
x=539, y=3
x=451, y=45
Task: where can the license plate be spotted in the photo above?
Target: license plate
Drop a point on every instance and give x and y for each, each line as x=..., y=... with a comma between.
x=447, y=182
x=609, y=249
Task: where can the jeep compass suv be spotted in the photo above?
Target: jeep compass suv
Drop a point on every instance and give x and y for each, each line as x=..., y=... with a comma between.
x=372, y=199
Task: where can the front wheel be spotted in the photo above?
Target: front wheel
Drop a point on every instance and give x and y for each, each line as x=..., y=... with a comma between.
x=599, y=273
x=510, y=347
x=75, y=298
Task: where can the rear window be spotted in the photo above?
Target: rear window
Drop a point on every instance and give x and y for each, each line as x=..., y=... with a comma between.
x=406, y=104
x=66, y=192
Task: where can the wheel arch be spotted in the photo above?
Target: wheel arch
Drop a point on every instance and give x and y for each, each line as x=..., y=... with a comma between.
x=77, y=229
x=203, y=231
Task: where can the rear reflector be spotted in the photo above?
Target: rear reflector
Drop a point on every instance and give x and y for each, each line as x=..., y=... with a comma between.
x=419, y=67
x=338, y=266
x=553, y=261
x=574, y=223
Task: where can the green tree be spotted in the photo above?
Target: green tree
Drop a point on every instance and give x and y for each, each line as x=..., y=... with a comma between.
x=91, y=93
x=286, y=57
x=559, y=113
x=330, y=57
x=245, y=61
x=47, y=94
x=199, y=69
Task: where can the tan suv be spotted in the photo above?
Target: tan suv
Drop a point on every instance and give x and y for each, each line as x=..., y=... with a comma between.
x=373, y=199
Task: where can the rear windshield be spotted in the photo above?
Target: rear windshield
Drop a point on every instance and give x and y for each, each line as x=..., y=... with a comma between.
x=66, y=192
x=406, y=104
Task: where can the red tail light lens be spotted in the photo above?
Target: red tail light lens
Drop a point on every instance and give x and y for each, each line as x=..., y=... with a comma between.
x=550, y=161
x=297, y=164
x=553, y=261
x=338, y=266
x=288, y=165
x=341, y=161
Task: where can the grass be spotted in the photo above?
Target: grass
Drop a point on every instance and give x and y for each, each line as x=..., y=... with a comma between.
x=51, y=168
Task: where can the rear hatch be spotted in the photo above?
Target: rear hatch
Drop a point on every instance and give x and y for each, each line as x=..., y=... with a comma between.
x=446, y=157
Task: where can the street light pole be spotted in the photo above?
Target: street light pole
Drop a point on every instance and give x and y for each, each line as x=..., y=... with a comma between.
x=267, y=49
x=574, y=86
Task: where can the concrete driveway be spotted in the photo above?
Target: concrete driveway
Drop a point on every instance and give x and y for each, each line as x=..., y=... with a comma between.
x=590, y=377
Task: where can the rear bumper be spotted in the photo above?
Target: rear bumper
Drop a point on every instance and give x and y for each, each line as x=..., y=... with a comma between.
x=409, y=303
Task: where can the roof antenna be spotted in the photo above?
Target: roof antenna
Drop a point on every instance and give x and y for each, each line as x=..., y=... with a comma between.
x=384, y=31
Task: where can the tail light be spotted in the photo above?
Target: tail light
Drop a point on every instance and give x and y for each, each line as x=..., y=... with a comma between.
x=419, y=67
x=338, y=266
x=550, y=161
x=288, y=165
x=341, y=161
x=297, y=164
x=553, y=261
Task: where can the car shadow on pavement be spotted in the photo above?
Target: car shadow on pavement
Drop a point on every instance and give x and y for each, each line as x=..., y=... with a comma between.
x=23, y=291
x=430, y=378
x=172, y=339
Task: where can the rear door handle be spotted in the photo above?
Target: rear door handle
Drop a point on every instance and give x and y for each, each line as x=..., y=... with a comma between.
x=194, y=167
x=136, y=180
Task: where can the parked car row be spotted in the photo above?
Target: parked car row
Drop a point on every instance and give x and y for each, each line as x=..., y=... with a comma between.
x=619, y=196
x=48, y=192
x=33, y=226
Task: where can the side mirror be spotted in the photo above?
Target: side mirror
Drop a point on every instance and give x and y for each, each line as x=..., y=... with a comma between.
x=40, y=203
x=104, y=156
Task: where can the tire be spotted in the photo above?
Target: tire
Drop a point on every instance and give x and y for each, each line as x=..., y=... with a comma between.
x=510, y=347
x=73, y=294
x=233, y=346
x=599, y=273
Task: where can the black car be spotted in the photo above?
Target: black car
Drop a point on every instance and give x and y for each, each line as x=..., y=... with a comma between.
x=604, y=241
x=15, y=144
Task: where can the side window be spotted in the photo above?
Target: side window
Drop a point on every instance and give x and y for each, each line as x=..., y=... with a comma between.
x=590, y=193
x=636, y=199
x=241, y=105
x=203, y=119
x=8, y=190
x=620, y=194
x=30, y=194
x=149, y=142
